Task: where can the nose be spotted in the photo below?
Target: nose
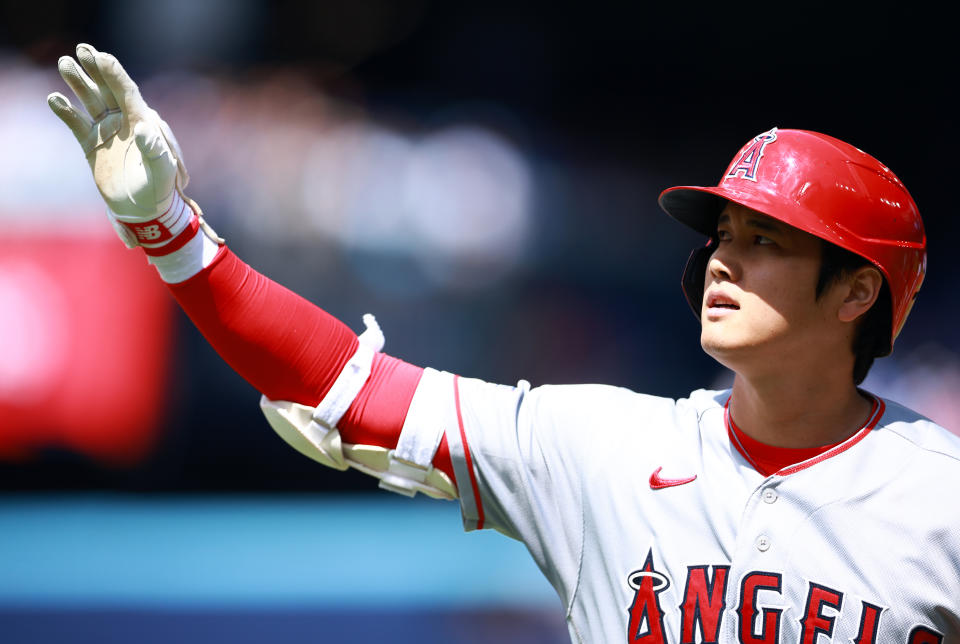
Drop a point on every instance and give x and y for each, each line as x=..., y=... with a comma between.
x=723, y=266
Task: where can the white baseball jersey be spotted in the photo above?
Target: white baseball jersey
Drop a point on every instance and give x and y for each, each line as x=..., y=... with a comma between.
x=652, y=527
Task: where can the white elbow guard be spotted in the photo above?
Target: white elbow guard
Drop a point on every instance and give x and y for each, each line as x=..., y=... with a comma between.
x=312, y=431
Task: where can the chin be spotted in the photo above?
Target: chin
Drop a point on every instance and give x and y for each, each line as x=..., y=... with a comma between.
x=728, y=351
x=714, y=349
x=714, y=341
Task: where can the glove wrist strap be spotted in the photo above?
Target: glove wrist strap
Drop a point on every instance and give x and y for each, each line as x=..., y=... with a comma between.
x=166, y=233
x=162, y=234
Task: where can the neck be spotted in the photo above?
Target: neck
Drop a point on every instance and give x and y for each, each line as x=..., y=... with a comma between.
x=793, y=411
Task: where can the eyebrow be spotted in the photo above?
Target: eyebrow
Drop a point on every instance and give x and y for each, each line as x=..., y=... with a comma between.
x=754, y=222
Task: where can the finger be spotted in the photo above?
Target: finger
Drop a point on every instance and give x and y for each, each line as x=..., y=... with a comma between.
x=86, y=54
x=82, y=86
x=124, y=89
x=78, y=122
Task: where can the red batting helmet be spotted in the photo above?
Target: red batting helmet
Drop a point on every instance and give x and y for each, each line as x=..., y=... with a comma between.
x=825, y=187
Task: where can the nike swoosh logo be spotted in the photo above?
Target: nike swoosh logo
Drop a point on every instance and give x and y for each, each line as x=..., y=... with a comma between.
x=657, y=482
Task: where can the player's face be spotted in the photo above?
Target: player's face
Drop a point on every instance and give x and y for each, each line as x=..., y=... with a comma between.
x=760, y=308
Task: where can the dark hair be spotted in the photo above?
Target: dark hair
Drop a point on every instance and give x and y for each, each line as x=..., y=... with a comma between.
x=872, y=339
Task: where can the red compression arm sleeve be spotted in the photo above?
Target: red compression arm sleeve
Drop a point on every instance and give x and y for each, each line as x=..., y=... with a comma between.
x=290, y=349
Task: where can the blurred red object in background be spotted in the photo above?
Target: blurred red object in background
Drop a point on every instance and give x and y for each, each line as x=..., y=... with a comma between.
x=85, y=340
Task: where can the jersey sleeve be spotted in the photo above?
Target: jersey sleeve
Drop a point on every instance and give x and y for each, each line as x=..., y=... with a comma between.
x=520, y=456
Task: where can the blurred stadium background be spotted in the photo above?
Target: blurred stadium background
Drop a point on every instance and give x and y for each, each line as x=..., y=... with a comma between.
x=483, y=178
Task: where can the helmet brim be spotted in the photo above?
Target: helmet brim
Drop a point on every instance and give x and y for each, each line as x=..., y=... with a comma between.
x=699, y=207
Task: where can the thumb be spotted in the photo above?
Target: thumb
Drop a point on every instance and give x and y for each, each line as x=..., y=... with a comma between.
x=158, y=161
x=182, y=174
x=150, y=141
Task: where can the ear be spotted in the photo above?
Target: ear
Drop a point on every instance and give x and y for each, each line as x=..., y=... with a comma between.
x=863, y=287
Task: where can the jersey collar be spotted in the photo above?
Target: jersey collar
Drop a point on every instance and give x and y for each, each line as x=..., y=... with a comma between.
x=783, y=461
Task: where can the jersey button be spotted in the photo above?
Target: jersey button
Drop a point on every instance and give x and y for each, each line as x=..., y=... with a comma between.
x=769, y=496
x=763, y=543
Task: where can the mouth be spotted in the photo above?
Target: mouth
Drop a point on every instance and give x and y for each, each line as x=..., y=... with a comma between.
x=718, y=302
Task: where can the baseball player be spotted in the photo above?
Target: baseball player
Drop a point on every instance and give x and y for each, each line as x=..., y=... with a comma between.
x=795, y=507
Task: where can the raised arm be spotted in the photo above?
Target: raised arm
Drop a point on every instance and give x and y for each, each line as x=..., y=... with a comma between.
x=334, y=397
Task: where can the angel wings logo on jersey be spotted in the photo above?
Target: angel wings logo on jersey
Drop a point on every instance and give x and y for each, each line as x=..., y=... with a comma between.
x=704, y=601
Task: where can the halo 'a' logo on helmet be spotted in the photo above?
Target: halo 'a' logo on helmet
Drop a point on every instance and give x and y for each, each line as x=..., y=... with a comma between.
x=748, y=162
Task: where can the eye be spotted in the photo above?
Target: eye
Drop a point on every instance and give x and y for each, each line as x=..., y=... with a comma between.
x=723, y=235
x=764, y=241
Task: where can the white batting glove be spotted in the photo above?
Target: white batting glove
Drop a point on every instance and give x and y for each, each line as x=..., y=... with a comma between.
x=136, y=161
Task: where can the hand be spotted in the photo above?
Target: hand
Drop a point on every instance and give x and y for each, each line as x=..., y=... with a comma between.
x=135, y=159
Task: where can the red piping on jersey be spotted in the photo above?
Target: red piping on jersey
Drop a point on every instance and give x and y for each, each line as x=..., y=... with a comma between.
x=876, y=412
x=466, y=454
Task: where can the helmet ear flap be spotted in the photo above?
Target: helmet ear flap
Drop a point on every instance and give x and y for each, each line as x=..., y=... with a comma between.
x=693, y=275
